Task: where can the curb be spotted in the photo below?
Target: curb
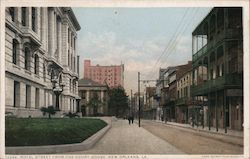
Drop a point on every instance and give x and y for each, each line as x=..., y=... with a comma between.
x=55, y=149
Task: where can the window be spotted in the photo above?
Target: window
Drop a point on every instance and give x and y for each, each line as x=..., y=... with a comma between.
x=220, y=19
x=44, y=72
x=68, y=58
x=74, y=43
x=72, y=61
x=222, y=70
x=37, y=98
x=16, y=94
x=217, y=71
x=12, y=13
x=235, y=17
x=72, y=40
x=68, y=35
x=33, y=18
x=28, y=97
x=36, y=65
x=24, y=16
x=26, y=59
x=14, y=51
x=70, y=85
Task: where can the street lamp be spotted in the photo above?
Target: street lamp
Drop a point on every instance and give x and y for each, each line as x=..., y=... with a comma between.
x=57, y=89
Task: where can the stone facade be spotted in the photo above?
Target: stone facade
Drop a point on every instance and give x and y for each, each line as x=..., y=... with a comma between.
x=40, y=46
x=92, y=93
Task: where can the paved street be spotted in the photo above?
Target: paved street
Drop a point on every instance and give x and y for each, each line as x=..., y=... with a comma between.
x=123, y=138
x=193, y=142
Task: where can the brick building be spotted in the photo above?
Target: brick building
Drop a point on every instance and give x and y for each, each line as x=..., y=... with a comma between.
x=184, y=105
x=112, y=75
x=40, y=58
x=169, y=91
x=150, y=103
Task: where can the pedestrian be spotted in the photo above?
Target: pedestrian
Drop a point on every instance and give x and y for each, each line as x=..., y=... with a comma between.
x=132, y=118
x=129, y=120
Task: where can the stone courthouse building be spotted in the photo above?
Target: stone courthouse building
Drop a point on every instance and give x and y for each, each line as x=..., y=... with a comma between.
x=40, y=59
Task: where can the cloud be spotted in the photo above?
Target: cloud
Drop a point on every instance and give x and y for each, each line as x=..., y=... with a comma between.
x=136, y=54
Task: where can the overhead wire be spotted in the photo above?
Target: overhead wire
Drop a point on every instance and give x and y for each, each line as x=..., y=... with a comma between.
x=172, y=47
x=171, y=40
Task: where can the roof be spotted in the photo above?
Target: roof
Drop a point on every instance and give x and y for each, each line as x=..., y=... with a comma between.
x=72, y=17
x=88, y=82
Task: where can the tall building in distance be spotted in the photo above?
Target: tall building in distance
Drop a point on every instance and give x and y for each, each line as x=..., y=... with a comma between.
x=112, y=75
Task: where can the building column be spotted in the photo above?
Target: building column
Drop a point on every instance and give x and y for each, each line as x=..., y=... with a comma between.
x=55, y=34
x=225, y=109
x=59, y=40
x=87, y=96
x=45, y=28
x=51, y=32
x=28, y=17
x=216, y=110
x=209, y=111
x=102, y=95
x=78, y=58
x=42, y=32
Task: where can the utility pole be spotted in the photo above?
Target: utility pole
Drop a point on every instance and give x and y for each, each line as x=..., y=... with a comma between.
x=131, y=103
x=139, y=113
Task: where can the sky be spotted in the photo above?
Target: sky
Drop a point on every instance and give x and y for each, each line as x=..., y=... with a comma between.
x=143, y=39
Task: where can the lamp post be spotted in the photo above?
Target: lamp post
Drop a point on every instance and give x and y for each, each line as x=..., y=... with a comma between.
x=57, y=89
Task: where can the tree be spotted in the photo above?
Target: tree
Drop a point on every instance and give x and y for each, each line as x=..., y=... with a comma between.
x=118, y=102
x=50, y=110
x=94, y=103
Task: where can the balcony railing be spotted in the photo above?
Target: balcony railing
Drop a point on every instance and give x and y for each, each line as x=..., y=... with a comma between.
x=227, y=34
x=229, y=80
x=181, y=101
x=199, y=53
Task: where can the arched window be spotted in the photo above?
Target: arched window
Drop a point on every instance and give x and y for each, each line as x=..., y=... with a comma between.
x=36, y=65
x=14, y=51
x=27, y=58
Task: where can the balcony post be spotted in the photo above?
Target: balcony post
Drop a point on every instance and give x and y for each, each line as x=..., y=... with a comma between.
x=225, y=110
x=203, y=112
x=209, y=112
x=216, y=110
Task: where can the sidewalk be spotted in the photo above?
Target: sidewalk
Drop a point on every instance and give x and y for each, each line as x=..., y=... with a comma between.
x=221, y=131
x=123, y=138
